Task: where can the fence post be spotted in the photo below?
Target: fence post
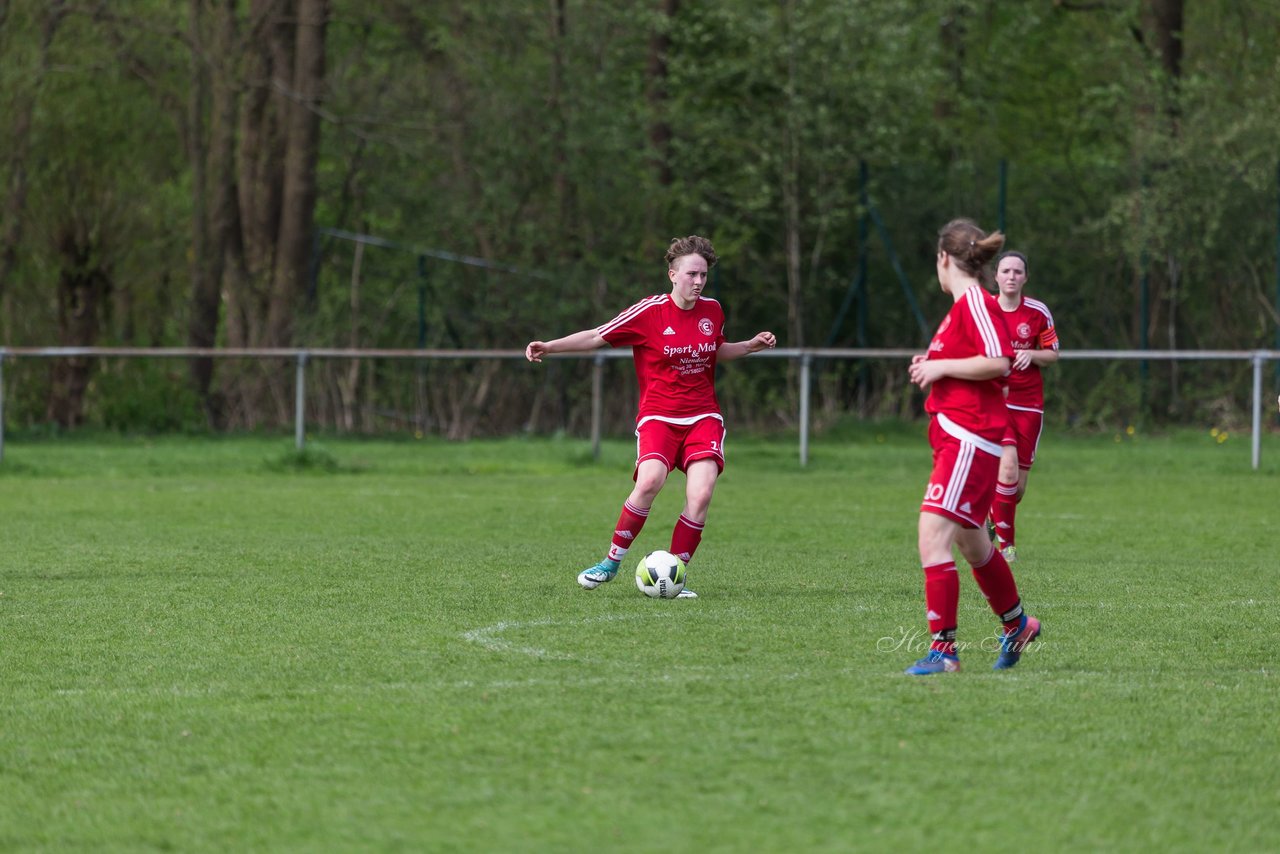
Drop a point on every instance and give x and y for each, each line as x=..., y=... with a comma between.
x=597, y=403
x=1257, y=409
x=806, y=359
x=300, y=402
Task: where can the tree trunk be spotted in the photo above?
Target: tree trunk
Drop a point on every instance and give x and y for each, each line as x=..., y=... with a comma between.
x=84, y=285
x=293, y=251
x=202, y=318
x=259, y=166
x=951, y=33
x=556, y=111
x=349, y=384
x=1162, y=20
x=263, y=187
x=660, y=132
x=1162, y=28
x=227, y=243
x=16, y=200
x=791, y=189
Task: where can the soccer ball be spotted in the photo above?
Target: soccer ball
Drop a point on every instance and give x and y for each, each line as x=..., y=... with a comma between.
x=661, y=575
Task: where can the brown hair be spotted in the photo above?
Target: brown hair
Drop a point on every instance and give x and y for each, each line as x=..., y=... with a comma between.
x=1012, y=253
x=691, y=245
x=969, y=245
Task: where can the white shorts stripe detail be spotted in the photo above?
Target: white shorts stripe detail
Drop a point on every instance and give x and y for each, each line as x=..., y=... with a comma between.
x=959, y=475
x=683, y=422
x=968, y=436
x=655, y=456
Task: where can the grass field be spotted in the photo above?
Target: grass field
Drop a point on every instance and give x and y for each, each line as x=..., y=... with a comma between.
x=219, y=645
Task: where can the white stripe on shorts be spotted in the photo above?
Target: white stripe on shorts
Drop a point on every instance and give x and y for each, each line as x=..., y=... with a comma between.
x=968, y=436
x=959, y=475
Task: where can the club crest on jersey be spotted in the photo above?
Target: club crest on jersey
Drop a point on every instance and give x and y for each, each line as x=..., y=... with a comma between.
x=1024, y=330
x=705, y=327
x=946, y=321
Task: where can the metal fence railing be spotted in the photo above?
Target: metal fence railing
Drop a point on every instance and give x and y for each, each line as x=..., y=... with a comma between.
x=804, y=356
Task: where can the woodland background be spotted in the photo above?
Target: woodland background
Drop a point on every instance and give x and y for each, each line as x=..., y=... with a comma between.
x=179, y=173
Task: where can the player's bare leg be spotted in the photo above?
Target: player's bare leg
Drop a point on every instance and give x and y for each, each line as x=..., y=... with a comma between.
x=650, y=476
x=700, y=485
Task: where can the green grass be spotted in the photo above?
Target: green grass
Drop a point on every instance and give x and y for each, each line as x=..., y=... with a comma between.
x=225, y=645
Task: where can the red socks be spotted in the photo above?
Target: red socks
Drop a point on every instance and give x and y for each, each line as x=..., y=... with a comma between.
x=685, y=537
x=996, y=581
x=1003, y=511
x=942, y=598
x=628, y=528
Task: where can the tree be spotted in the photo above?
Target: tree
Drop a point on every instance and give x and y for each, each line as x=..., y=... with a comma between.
x=302, y=92
x=253, y=144
x=200, y=143
x=21, y=112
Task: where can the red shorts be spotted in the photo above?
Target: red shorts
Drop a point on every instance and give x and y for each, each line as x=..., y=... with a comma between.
x=677, y=445
x=1024, y=432
x=963, y=483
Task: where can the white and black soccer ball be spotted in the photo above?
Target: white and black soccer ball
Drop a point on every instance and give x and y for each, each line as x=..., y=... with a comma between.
x=661, y=575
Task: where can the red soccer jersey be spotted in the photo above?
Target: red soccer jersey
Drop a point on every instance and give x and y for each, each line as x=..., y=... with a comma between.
x=675, y=354
x=1031, y=328
x=973, y=327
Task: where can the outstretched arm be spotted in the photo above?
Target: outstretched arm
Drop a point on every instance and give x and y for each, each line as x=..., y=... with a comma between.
x=578, y=342
x=736, y=350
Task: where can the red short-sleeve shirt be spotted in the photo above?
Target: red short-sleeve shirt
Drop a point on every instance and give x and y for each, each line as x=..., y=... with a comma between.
x=973, y=327
x=674, y=350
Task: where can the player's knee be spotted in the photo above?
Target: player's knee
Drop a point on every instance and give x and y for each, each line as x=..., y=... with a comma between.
x=935, y=545
x=697, y=497
x=649, y=483
x=975, y=551
x=648, y=490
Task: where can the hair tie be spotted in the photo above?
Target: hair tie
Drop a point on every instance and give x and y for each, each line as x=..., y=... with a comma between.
x=972, y=243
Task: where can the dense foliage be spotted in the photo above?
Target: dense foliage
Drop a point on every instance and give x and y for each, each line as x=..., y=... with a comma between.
x=177, y=174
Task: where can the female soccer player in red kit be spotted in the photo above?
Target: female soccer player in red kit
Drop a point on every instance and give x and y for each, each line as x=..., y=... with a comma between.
x=1035, y=344
x=676, y=340
x=969, y=354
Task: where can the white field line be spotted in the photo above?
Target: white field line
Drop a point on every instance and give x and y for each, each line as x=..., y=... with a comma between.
x=487, y=636
x=679, y=675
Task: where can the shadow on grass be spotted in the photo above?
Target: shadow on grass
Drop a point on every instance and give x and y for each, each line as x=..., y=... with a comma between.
x=312, y=459
x=11, y=467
